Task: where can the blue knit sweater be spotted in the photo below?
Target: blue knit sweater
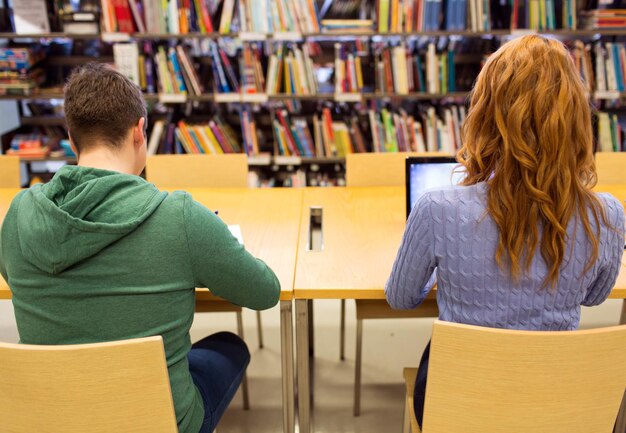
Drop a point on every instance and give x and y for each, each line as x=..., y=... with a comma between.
x=450, y=239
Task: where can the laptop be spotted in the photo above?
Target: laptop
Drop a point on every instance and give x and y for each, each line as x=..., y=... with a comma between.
x=428, y=172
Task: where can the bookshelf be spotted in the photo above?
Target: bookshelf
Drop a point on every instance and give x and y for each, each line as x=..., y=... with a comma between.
x=224, y=72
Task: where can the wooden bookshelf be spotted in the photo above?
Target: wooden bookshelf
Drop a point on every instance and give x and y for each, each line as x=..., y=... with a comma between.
x=247, y=36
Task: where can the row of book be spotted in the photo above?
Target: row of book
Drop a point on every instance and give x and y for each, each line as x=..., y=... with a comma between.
x=212, y=137
x=270, y=16
x=208, y=16
x=162, y=69
x=476, y=15
x=171, y=69
x=422, y=132
x=425, y=131
x=400, y=71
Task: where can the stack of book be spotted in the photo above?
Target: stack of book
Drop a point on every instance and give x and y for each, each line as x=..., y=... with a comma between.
x=400, y=71
x=348, y=72
x=427, y=132
x=610, y=63
x=610, y=133
x=291, y=71
x=604, y=19
x=20, y=72
x=269, y=16
x=28, y=146
x=213, y=137
x=356, y=26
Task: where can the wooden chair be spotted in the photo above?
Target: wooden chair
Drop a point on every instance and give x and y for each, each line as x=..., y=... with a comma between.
x=501, y=381
x=376, y=169
x=610, y=167
x=206, y=171
x=9, y=171
x=198, y=171
x=119, y=386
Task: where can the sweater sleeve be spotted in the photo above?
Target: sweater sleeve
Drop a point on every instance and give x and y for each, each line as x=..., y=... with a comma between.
x=220, y=263
x=413, y=272
x=3, y=269
x=611, y=259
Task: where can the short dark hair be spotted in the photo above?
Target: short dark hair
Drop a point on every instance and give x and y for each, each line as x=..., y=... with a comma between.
x=102, y=104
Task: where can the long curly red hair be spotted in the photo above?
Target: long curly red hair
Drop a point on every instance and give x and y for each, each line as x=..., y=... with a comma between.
x=528, y=135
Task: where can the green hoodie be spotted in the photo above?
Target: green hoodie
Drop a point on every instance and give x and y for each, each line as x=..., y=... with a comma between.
x=96, y=255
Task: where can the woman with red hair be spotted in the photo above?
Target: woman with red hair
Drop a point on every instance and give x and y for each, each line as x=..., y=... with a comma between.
x=523, y=242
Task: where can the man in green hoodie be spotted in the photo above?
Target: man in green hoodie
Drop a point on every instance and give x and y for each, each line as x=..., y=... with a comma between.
x=99, y=254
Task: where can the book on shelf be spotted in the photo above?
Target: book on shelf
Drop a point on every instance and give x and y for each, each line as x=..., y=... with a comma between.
x=348, y=70
x=251, y=70
x=30, y=17
x=610, y=133
x=250, y=139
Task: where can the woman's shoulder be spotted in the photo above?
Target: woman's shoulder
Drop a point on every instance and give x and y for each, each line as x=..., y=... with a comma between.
x=455, y=196
x=613, y=209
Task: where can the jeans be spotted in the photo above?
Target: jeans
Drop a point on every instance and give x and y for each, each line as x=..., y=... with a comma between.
x=217, y=365
x=419, y=393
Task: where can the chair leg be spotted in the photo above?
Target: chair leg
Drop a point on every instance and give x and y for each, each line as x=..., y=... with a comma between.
x=342, y=331
x=357, y=367
x=244, y=382
x=406, y=423
x=259, y=329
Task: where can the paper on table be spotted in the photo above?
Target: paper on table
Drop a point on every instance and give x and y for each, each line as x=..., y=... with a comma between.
x=30, y=17
x=236, y=232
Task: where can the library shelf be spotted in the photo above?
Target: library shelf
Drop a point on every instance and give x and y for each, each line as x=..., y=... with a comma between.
x=290, y=36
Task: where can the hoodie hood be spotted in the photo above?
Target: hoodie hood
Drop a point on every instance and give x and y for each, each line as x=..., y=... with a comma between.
x=80, y=212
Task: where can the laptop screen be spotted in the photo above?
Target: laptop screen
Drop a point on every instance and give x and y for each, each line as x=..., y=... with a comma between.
x=425, y=173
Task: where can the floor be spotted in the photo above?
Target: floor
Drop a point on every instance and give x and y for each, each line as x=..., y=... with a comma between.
x=389, y=345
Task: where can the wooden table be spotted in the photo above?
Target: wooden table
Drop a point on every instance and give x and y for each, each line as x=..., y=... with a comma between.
x=270, y=221
x=361, y=229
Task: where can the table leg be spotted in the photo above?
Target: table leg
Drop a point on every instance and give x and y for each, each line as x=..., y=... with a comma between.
x=620, y=425
x=311, y=330
x=302, y=362
x=286, y=351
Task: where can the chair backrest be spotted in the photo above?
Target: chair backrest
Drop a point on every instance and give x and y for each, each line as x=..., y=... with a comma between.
x=9, y=171
x=492, y=380
x=198, y=171
x=120, y=386
x=610, y=167
x=378, y=169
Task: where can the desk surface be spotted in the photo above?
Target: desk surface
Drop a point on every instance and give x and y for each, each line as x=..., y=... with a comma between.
x=269, y=220
x=362, y=229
